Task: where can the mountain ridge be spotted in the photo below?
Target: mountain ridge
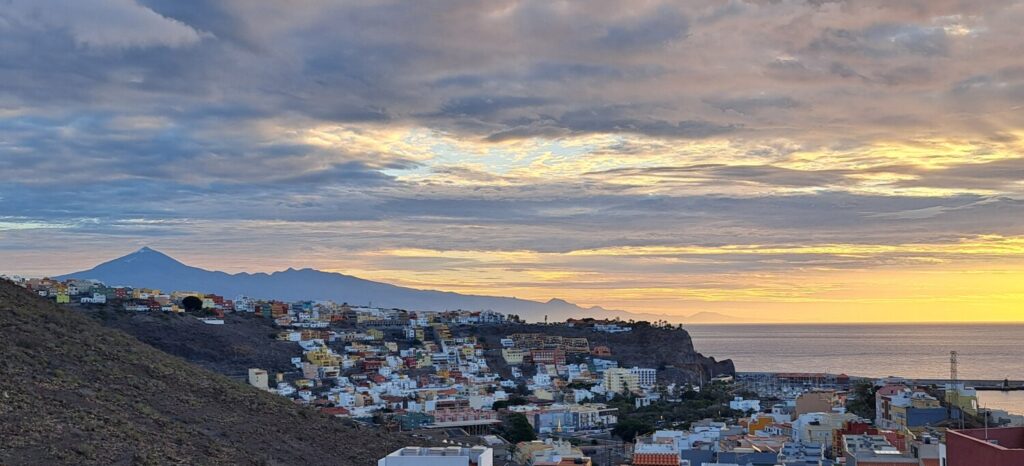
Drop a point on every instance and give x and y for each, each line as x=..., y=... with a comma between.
x=150, y=268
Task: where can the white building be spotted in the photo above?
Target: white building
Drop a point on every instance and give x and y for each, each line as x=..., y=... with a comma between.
x=439, y=456
x=580, y=395
x=284, y=389
x=688, y=439
x=818, y=427
x=646, y=377
x=97, y=298
x=258, y=378
x=739, y=404
x=802, y=454
x=541, y=380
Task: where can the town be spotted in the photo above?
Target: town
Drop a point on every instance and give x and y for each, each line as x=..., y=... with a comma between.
x=489, y=389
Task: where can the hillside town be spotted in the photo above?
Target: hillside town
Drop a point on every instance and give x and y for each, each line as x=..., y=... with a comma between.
x=539, y=398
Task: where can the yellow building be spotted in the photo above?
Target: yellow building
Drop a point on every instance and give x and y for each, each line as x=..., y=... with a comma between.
x=900, y=411
x=441, y=332
x=323, y=357
x=576, y=345
x=63, y=298
x=363, y=318
x=966, y=398
x=375, y=334
x=513, y=356
x=618, y=380
x=143, y=293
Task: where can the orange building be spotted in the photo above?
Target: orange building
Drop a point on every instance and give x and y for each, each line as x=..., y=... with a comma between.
x=547, y=356
x=757, y=423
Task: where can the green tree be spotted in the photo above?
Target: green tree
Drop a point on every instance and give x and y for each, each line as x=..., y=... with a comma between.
x=518, y=429
x=862, y=401
x=192, y=304
x=629, y=429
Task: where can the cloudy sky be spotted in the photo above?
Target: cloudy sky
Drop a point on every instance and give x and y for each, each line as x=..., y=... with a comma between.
x=772, y=160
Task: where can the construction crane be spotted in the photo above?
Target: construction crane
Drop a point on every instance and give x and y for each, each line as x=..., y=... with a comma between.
x=954, y=379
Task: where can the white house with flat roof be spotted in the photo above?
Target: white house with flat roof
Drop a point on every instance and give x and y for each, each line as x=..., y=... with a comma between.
x=439, y=456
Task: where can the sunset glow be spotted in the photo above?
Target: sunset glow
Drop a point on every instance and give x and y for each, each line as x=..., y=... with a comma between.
x=772, y=161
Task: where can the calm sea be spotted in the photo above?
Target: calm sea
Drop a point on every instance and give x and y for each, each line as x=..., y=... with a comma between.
x=986, y=351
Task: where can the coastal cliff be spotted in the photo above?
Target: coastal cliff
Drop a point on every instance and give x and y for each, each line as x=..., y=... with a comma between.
x=669, y=349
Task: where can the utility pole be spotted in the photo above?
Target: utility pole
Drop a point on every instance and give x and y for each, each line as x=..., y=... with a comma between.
x=986, y=424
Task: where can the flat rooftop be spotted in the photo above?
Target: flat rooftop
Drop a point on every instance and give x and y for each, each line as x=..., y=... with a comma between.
x=473, y=452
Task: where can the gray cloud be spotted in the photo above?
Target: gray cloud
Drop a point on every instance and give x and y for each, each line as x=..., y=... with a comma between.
x=656, y=30
x=884, y=40
x=616, y=120
x=745, y=105
x=102, y=23
x=160, y=119
x=477, y=106
x=1007, y=174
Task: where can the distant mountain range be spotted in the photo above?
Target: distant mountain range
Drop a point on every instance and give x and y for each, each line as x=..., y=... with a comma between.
x=153, y=269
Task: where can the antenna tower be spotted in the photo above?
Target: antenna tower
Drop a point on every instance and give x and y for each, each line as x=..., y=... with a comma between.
x=953, y=365
x=954, y=378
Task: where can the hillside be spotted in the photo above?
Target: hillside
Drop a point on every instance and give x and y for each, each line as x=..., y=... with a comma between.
x=226, y=349
x=669, y=350
x=230, y=349
x=73, y=392
x=153, y=269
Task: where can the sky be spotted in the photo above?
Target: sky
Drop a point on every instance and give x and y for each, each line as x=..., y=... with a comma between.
x=770, y=160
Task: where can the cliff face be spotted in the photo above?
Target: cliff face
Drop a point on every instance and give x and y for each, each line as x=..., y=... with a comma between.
x=73, y=392
x=669, y=350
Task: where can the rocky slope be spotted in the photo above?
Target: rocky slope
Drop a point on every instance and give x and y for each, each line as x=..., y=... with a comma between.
x=73, y=392
x=245, y=341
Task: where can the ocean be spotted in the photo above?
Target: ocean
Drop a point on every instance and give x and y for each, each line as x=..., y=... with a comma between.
x=986, y=351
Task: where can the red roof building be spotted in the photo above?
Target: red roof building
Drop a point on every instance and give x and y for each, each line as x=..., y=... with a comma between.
x=655, y=459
